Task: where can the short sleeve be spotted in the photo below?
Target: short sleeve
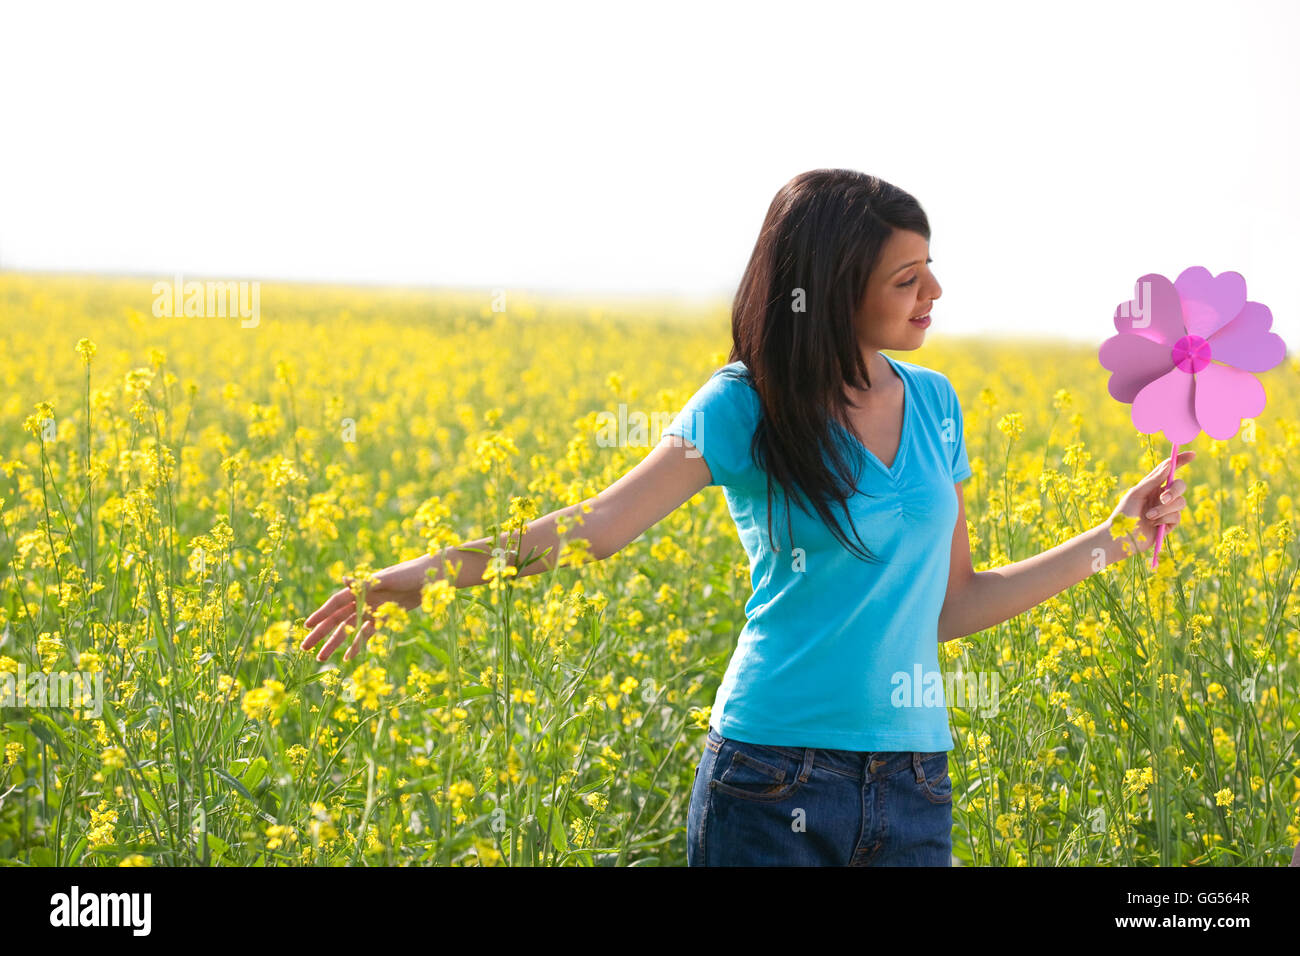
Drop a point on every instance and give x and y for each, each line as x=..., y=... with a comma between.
x=719, y=421
x=954, y=434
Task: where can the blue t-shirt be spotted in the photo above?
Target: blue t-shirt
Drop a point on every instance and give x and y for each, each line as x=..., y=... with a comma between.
x=838, y=652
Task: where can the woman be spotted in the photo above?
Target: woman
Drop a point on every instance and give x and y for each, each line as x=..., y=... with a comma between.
x=829, y=734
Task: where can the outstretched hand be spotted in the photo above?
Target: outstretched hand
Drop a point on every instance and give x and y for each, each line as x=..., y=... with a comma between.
x=336, y=620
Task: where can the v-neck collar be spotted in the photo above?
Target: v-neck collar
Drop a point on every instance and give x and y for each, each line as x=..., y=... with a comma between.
x=900, y=456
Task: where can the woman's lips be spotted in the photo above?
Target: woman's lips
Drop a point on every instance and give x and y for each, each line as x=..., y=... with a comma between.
x=923, y=321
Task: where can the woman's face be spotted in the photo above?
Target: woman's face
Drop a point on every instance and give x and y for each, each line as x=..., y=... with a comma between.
x=900, y=288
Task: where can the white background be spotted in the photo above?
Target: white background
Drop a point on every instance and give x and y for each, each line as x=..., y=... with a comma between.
x=1060, y=152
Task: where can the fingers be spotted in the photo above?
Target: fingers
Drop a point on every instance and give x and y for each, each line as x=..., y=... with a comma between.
x=327, y=624
x=360, y=641
x=1175, y=489
x=345, y=630
x=1167, y=507
x=337, y=618
x=330, y=646
x=1167, y=515
x=336, y=600
x=326, y=617
x=1162, y=469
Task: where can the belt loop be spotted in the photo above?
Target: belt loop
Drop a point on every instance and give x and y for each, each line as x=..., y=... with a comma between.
x=808, y=754
x=916, y=766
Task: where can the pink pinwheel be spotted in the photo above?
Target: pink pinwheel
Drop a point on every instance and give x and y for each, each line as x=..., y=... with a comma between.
x=1184, y=357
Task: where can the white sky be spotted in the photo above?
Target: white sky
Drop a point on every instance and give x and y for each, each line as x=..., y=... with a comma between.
x=1060, y=152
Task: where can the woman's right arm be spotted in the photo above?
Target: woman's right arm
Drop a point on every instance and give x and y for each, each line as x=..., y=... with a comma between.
x=671, y=474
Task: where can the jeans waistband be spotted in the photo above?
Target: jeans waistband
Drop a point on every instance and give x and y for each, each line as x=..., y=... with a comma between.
x=858, y=764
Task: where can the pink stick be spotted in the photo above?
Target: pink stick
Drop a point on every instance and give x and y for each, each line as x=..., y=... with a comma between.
x=1160, y=529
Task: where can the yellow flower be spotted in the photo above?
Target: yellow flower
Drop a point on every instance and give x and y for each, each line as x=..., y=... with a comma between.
x=138, y=380
x=113, y=758
x=101, y=825
x=494, y=450
x=1011, y=425
x=1234, y=541
x=459, y=792
x=266, y=702
x=280, y=835
x=522, y=511
x=277, y=637
x=1008, y=824
x=700, y=716
x=321, y=827
x=368, y=683
x=436, y=596
x=390, y=617
x=1122, y=525
x=1137, y=780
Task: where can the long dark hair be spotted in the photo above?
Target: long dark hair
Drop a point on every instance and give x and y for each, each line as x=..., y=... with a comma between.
x=792, y=325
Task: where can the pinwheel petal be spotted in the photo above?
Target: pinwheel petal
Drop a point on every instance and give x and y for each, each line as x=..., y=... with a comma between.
x=1246, y=342
x=1136, y=362
x=1209, y=302
x=1224, y=396
x=1155, y=312
x=1167, y=405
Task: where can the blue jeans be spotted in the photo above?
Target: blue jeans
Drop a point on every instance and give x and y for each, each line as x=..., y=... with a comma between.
x=757, y=805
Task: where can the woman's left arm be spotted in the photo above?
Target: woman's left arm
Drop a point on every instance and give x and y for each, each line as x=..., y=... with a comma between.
x=977, y=600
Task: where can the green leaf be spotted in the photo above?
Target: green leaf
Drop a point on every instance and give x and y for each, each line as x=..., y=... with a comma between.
x=42, y=732
x=150, y=803
x=243, y=792
x=433, y=650
x=559, y=836
x=237, y=784
x=77, y=850
x=254, y=774
x=217, y=847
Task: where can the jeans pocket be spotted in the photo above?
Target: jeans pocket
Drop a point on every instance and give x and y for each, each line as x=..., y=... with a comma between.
x=936, y=784
x=756, y=773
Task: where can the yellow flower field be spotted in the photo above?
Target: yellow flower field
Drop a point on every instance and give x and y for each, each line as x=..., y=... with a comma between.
x=178, y=494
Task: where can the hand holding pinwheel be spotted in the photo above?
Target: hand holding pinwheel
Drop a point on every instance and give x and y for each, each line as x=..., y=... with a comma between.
x=1184, y=357
x=1154, y=507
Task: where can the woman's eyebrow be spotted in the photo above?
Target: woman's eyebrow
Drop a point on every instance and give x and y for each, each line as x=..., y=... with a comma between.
x=905, y=265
